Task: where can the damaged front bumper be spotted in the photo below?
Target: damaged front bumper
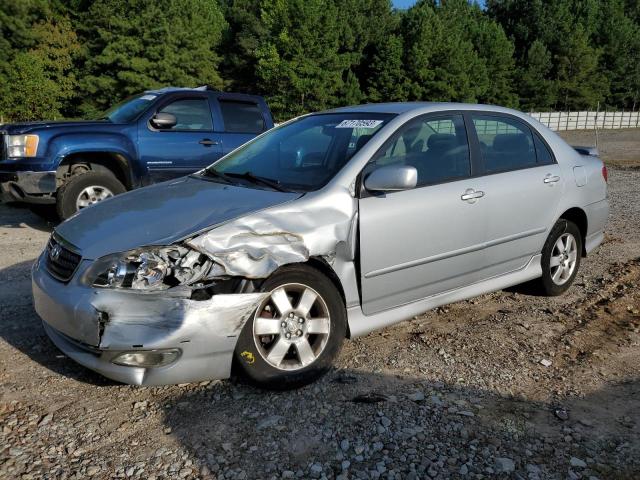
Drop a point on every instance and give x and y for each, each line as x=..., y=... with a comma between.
x=95, y=326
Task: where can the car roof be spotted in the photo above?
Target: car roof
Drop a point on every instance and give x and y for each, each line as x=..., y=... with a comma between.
x=404, y=107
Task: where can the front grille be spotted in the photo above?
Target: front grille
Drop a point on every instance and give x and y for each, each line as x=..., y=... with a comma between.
x=60, y=261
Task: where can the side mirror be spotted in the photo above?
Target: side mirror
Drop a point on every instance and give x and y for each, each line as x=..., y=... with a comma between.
x=164, y=120
x=392, y=178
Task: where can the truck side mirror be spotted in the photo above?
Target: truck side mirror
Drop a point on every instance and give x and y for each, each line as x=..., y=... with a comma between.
x=164, y=121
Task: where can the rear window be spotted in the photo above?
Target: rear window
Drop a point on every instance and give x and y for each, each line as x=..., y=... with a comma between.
x=505, y=143
x=542, y=152
x=242, y=117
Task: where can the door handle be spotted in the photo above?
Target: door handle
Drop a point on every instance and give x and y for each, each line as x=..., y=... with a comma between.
x=470, y=195
x=207, y=143
x=551, y=179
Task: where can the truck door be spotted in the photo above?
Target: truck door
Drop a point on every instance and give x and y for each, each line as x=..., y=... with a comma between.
x=242, y=119
x=188, y=146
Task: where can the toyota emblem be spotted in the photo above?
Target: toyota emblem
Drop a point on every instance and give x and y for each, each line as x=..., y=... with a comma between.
x=55, y=252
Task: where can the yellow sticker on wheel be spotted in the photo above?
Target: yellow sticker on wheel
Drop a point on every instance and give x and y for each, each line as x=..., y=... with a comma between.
x=248, y=357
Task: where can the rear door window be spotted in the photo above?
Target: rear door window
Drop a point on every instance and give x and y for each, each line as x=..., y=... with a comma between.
x=242, y=117
x=191, y=114
x=543, y=153
x=505, y=143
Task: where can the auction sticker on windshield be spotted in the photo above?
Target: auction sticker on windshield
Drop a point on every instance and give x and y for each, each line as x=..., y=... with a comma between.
x=359, y=124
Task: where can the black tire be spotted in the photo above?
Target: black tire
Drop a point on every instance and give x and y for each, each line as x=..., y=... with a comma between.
x=248, y=357
x=68, y=193
x=546, y=283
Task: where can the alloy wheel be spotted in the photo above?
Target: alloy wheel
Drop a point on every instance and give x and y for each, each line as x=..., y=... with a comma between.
x=91, y=195
x=563, y=260
x=291, y=327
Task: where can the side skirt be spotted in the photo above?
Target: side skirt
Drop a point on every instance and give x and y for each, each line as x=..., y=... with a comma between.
x=361, y=324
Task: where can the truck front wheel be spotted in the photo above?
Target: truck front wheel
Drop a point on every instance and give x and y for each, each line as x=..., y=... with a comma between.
x=84, y=190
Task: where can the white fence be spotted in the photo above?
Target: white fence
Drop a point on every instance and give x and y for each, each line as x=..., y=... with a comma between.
x=588, y=120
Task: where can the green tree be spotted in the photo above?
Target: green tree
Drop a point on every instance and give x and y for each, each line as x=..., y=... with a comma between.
x=537, y=91
x=569, y=30
x=133, y=45
x=40, y=81
x=244, y=38
x=497, y=53
x=365, y=26
x=351, y=93
x=300, y=65
x=16, y=19
x=522, y=20
x=386, y=79
x=441, y=62
x=632, y=9
x=580, y=83
x=619, y=36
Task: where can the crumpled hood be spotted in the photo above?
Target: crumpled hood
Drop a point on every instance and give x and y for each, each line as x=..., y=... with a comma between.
x=162, y=214
x=26, y=127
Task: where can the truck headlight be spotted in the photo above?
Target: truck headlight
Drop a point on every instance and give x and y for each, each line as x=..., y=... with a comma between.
x=22, y=145
x=149, y=269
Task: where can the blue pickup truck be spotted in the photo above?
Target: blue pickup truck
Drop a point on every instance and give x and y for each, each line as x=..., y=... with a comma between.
x=148, y=138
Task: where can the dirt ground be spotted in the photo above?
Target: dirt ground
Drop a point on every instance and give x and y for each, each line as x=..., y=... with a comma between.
x=458, y=392
x=617, y=147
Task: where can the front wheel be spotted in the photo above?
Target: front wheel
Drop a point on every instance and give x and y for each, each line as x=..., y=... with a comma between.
x=86, y=189
x=296, y=331
x=561, y=258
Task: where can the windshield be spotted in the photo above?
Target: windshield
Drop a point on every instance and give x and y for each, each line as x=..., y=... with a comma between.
x=129, y=109
x=303, y=155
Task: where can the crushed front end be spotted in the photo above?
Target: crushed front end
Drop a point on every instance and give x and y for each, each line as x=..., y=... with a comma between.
x=154, y=316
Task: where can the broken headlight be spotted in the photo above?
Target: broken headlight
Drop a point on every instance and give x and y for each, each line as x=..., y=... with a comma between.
x=150, y=269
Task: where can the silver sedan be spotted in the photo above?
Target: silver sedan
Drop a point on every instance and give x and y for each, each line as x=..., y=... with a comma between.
x=327, y=227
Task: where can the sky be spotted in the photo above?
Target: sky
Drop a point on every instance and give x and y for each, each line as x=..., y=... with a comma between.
x=409, y=3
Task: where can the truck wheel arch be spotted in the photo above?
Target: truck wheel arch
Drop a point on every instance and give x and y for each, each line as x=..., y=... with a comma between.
x=116, y=163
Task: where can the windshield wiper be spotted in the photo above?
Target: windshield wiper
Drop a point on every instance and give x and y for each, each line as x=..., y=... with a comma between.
x=210, y=172
x=257, y=179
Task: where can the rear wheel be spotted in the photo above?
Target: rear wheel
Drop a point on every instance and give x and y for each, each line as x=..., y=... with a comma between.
x=561, y=258
x=296, y=331
x=86, y=189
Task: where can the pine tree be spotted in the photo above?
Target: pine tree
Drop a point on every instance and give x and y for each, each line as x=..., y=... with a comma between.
x=536, y=90
x=387, y=81
x=135, y=45
x=300, y=66
x=16, y=19
x=40, y=81
x=620, y=60
x=246, y=35
x=580, y=83
x=441, y=62
x=497, y=53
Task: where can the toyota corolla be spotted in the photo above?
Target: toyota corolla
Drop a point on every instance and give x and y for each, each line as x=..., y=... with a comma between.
x=327, y=227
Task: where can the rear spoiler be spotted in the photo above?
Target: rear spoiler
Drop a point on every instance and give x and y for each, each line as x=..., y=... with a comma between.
x=589, y=151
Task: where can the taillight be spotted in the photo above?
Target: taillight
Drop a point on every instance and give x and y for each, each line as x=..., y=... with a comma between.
x=605, y=173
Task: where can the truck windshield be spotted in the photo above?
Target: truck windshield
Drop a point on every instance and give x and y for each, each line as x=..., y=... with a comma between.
x=303, y=155
x=129, y=109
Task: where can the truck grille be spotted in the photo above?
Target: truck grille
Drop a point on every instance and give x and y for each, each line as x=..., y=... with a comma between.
x=60, y=261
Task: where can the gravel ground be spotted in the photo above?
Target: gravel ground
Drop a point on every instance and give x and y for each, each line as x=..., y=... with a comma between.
x=618, y=147
x=507, y=385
